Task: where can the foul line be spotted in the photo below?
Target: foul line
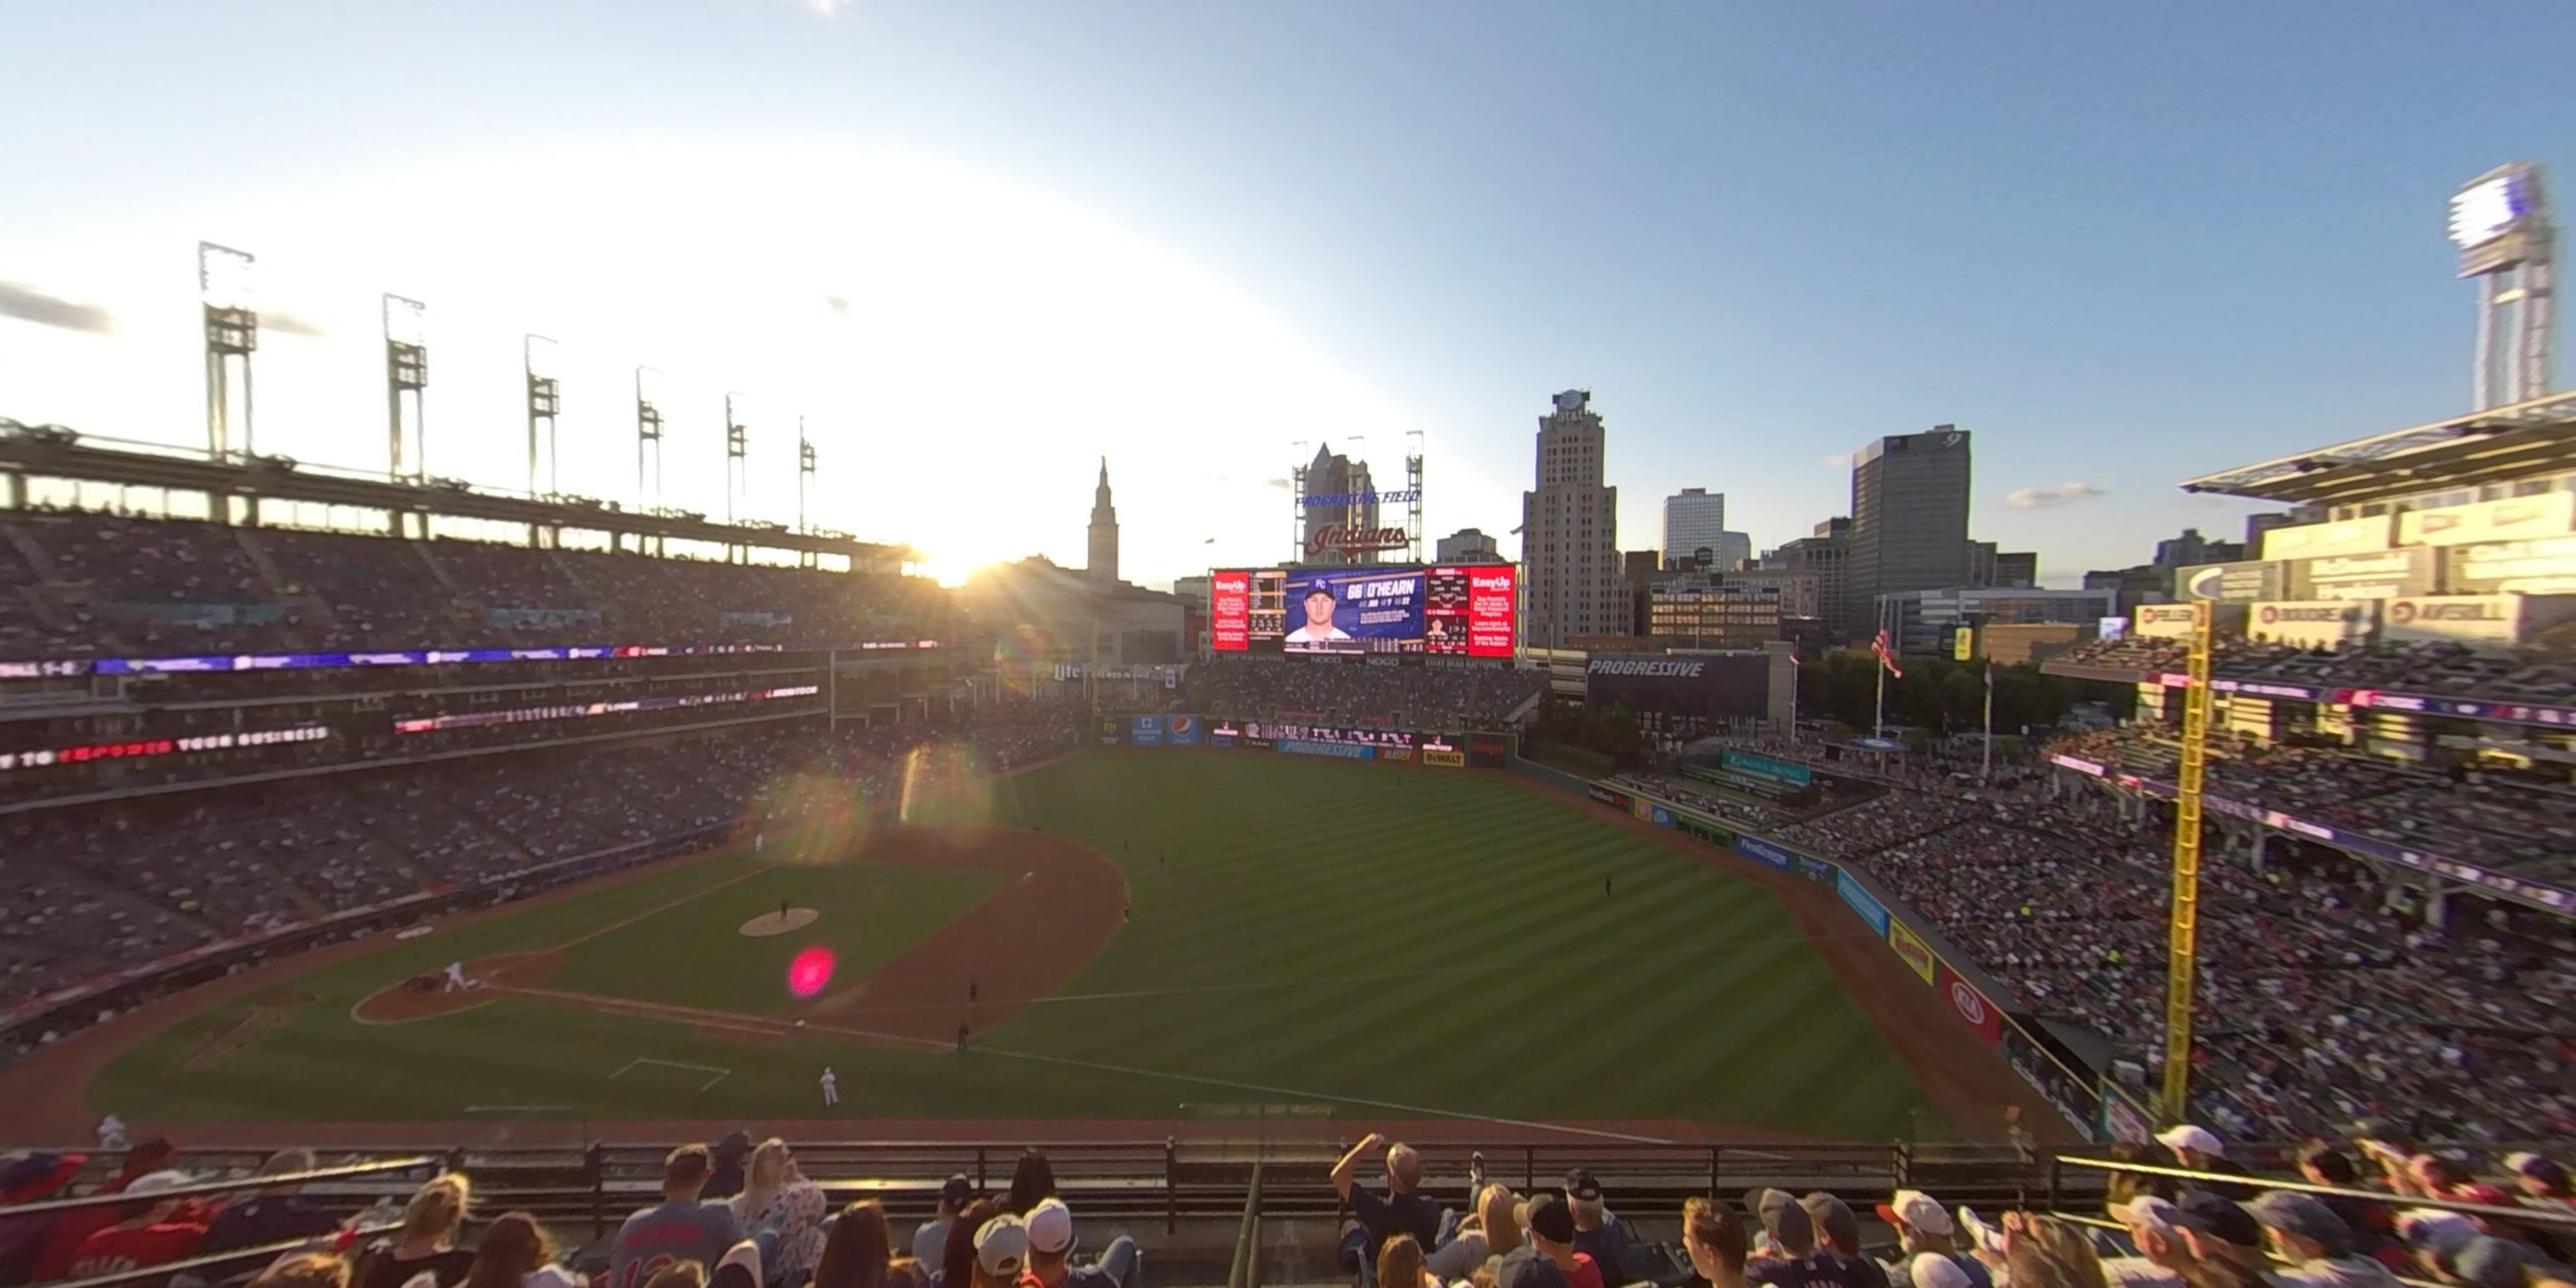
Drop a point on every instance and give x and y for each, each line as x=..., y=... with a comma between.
x=720, y=1074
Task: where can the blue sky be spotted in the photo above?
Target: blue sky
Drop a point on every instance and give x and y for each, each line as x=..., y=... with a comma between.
x=2124, y=244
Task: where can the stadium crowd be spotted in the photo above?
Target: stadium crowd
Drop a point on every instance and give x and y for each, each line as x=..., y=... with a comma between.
x=78, y=584
x=102, y=886
x=1398, y=696
x=740, y=1215
x=2419, y=667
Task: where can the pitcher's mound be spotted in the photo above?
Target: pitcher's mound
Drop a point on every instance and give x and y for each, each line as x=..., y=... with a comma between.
x=770, y=923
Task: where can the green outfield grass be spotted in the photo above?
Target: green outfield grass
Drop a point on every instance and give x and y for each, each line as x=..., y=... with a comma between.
x=1389, y=940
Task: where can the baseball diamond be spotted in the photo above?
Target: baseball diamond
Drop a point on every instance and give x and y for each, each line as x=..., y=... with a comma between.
x=1122, y=934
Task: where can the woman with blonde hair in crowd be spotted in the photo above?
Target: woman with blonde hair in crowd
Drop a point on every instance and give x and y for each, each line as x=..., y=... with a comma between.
x=2044, y=1252
x=1399, y=1264
x=1487, y=1233
x=517, y=1253
x=778, y=1201
x=305, y=1270
x=426, y=1241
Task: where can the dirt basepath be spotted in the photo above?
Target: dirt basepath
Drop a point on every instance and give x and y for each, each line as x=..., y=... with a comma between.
x=1967, y=1080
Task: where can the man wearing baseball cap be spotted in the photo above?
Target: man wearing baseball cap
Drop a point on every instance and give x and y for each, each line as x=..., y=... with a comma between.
x=152, y=1231
x=1051, y=1253
x=2200, y=1149
x=1319, y=628
x=1786, y=1256
x=1922, y=1225
x=2316, y=1243
x=1001, y=1252
x=1551, y=1230
x=1838, y=1241
x=29, y=1176
x=1597, y=1234
x=930, y=1239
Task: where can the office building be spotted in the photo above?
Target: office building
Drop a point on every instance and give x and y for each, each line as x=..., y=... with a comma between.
x=1350, y=505
x=1467, y=546
x=1795, y=590
x=1637, y=570
x=1826, y=555
x=2192, y=548
x=1923, y=620
x=1699, y=610
x=1909, y=520
x=2015, y=568
x=1569, y=531
x=1103, y=566
x=1693, y=520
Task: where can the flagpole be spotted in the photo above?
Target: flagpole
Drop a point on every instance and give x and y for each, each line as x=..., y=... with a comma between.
x=1879, y=728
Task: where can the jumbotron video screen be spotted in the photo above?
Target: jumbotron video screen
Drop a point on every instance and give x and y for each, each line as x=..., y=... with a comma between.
x=1405, y=610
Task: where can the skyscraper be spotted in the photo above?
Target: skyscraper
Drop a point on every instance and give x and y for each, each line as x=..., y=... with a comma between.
x=1104, y=532
x=1827, y=557
x=1909, y=516
x=1693, y=520
x=1349, y=502
x=1569, y=533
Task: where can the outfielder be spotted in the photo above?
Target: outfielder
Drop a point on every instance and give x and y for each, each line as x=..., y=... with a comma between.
x=831, y=1087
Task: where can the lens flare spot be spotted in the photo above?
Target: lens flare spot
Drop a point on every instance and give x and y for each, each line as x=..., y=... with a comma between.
x=810, y=972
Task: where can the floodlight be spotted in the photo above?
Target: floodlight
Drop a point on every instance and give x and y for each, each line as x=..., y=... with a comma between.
x=2485, y=211
x=541, y=357
x=406, y=321
x=224, y=276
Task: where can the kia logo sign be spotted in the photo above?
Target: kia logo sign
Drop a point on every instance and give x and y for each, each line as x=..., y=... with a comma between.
x=1972, y=1008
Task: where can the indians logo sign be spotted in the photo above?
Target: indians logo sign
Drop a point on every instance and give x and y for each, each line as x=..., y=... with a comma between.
x=1352, y=542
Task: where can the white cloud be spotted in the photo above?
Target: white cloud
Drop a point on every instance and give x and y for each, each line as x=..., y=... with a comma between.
x=827, y=8
x=2040, y=498
x=1838, y=460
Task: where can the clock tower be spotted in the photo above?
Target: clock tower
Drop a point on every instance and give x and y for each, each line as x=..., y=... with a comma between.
x=1103, y=566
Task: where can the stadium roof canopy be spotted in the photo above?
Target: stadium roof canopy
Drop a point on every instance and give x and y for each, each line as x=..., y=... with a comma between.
x=2492, y=446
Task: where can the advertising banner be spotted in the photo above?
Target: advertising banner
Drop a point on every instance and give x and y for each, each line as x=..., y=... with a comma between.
x=2125, y=1116
x=1223, y=734
x=1404, y=754
x=1327, y=733
x=2381, y=576
x=2311, y=623
x=2160, y=621
x=1745, y=762
x=1609, y=796
x=1444, y=758
x=1145, y=731
x=2341, y=537
x=1662, y=817
x=1342, y=750
x=2476, y=619
x=1817, y=870
x=1181, y=731
x=1644, y=809
x=1754, y=847
x=2247, y=581
x=1861, y=901
x=1967, y=1003
x=1910, y=948
x=1694, y=825
x=1112, y=732
x=2541, y=566
x=1731, y=685
x=2542, y=514
x=1488, y=750
x=1403, y=610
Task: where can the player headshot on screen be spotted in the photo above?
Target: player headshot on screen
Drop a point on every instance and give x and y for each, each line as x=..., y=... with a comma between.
x=1319, y=619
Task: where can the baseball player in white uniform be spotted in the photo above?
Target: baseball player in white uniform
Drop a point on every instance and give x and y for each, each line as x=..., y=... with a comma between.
x=831, y=1087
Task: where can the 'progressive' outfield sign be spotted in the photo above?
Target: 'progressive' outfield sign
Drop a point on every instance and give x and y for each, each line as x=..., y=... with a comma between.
x=1722, y=685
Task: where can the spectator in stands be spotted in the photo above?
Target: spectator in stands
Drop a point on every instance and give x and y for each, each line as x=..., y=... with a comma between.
x=1486, y=1235
x=2044, y=1252
x=725, y=1163
x=739, y=1269
x=305, y=1270
x=2316, y=1243
x=858, y=1253
x=2485, y=1261
x=2322, y=1163
x=1032, y=1181
x=1399, y=1264
x=930, y=1240
x=679, y=1274
x=1404, y=1210
x=516, y=1252
x=684, y=1226
x=2220, y=1229
x=425, y=1243
x=1550, y=1250
x=957, y=1260
x=1051, y=1250
x=1786, y=1256
x=63, y=1239
x=1713, y=1239
x=1838, y=1238
x=1001, y=1252
x=788, y=1218
x=272, y=1215
x=2201, y=1150
x=1922, y=1226
x=149, y=1232
x=29, y=1176
x=1597, y=1233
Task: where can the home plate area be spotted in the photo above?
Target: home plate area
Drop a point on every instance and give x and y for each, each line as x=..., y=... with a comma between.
x=704, y=1076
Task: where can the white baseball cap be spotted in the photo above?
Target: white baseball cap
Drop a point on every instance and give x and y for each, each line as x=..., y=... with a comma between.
x=2196, y=1139
x=1002, y=1246
x=2159, y=1215
x=1050, y=1227
x=1919, y=1210
x=1932, y=1270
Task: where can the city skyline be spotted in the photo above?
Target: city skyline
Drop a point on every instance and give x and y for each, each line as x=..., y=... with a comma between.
x=2042, y=230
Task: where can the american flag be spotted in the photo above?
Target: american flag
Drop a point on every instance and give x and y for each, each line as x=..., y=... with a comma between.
x=1886, y=655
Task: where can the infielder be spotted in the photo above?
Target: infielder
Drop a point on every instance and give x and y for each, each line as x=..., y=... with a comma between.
x=456, y=981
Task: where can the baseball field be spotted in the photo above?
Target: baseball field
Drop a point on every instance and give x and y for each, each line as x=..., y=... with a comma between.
x=1149, y=937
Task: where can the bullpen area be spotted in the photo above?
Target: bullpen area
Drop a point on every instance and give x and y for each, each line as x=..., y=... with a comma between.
x=1182, y=941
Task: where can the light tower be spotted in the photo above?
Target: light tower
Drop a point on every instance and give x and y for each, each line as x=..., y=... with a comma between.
x=232, y=331
x=648, y=439
x=545, y=399
x=805, y=462
x=737, y=412
x=2500, y=222
x=406, y=372
x=1413, y=490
